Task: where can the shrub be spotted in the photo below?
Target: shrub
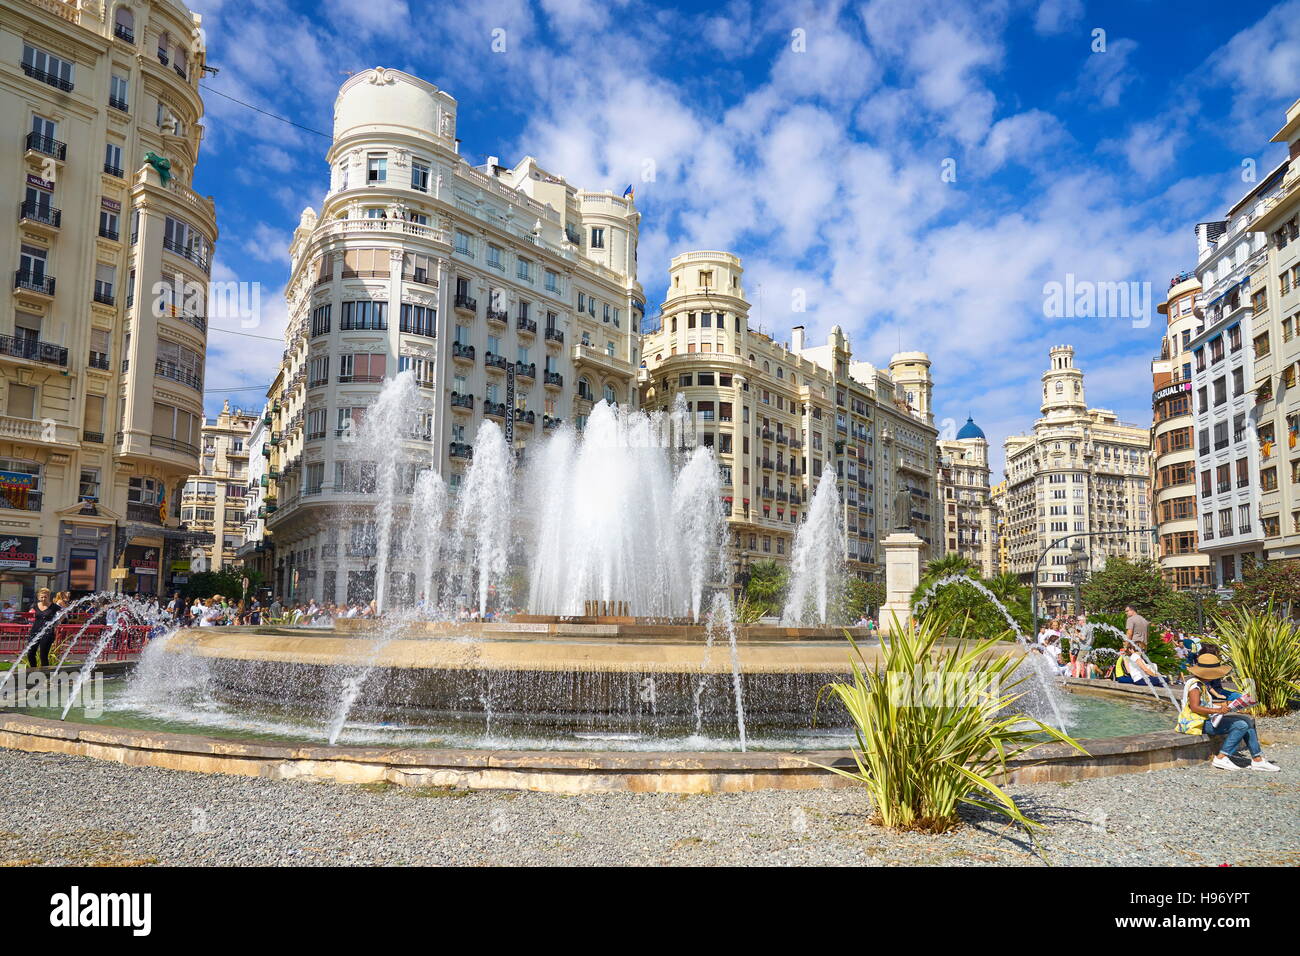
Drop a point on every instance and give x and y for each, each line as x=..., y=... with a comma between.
x=919, y=758
x=1264, y=649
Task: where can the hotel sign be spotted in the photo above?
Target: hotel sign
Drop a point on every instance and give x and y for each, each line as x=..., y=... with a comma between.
x=18, y=551
x=1169, y=391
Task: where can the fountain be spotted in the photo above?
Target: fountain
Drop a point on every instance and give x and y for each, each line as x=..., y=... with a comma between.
x=817, y=560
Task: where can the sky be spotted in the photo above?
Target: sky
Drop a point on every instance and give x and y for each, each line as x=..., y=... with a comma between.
x=919, y=173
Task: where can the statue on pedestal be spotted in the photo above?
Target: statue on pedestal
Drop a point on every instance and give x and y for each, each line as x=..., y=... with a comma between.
x=902, y=510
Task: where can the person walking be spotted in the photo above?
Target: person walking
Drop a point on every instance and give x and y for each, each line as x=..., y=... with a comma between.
x=41, y=634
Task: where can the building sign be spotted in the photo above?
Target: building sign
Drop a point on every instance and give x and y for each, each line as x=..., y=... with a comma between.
x=142, y=560
x=510, y=405
x=38, y=182
x=1169, y=391
x=112, y=205
x=18, y=551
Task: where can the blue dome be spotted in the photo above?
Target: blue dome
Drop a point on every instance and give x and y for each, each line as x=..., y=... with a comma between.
x=970, y=430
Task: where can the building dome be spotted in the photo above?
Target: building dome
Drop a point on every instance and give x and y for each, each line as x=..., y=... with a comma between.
x=970, y=430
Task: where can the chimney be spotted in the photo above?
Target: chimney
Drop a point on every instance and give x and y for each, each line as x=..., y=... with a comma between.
x=796, y=339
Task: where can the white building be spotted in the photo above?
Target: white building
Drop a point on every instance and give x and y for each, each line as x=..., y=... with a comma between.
x=509, y=293
x=1228, y=445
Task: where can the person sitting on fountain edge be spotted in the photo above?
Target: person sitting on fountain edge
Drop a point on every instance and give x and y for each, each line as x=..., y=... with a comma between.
x=1209, y=709
x=1137, y=669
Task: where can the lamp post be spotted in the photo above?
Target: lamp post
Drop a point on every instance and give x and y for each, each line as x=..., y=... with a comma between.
x=1059, y=542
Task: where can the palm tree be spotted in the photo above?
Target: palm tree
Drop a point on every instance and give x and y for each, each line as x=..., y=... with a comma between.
x=948, y=565
x=766, y=586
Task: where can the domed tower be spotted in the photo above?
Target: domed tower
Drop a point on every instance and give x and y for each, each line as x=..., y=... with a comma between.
x=972, y=437
x=1063, y=385
x=911, y=373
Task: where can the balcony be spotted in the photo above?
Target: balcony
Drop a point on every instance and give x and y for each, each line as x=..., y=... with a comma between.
x=497, y=315
x=526, y=326
x=173, y=444
x=345, y=379
x=552, y=379
x=112, y=235
x=464, y=402
x=35, y=431
x=54, y=81
x=555, y=335
x=462, y=353
x=550, y=422
x=587, y=355
x=39, y=214
x=139, y=511
x=123, y=33
x=47, y=146
x=528, y=371
x=492, y=360
x=178, y=374
x=460, y=449
x=465, y=303
x=34, y=350
x=119, y=104
x=114, y=170
x=494, y=409
x=104, y=297
x=193, y=255
x=525, y=417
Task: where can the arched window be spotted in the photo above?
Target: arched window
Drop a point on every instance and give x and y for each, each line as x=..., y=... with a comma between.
x=178, y=61
x=780, y=372
x=611, y=395
x=124, y=24
x=584, y=390
x=164, y=44
x=1060, y=388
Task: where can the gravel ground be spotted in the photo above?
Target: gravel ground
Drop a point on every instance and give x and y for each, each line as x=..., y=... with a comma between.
x=58, y=810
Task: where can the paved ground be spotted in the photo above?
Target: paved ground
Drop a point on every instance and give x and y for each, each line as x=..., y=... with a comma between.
x=74, y=810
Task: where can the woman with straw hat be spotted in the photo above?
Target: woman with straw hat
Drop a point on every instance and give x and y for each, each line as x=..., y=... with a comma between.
x=1209, y=709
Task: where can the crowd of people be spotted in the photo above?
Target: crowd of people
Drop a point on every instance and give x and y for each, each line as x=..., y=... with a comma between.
x=1068, y=644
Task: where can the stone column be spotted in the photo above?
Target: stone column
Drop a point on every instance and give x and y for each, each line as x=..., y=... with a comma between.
x=902, y=575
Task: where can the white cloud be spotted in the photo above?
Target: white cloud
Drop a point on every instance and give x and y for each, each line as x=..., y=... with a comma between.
x=1106, y=75
x=1057, y=16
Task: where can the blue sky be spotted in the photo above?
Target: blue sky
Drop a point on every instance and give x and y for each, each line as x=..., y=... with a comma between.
x=812, y=140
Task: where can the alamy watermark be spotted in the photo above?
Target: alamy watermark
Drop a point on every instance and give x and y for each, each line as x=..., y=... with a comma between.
x=221, y=299
x=1087, y=299
x=54, y=691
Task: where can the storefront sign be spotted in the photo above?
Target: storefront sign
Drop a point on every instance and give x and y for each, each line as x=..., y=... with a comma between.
x=142, y=560
x=1170, y=391
x=18, y=551
x=38, y=182
x=112, y=205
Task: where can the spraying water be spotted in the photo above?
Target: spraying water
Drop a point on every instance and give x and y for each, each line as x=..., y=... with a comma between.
x=484, y=515
x=621, y=514
x=390, y=425
x=1047, y=695
x=816, y=563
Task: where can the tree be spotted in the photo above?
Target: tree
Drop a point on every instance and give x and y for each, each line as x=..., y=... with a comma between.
x=1265, y=581
x=765, y=588
x=1138, y=584
x=228, y=582
x=860, y=598
x=957, y=601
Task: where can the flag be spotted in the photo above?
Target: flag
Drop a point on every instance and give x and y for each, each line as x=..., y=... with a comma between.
x=629, y=193
x=162, y=502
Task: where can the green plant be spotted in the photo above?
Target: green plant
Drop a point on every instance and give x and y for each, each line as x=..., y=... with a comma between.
x=746, y=612
x=1265, y=583
x=766, y=586
x=1264, y=649
x=936, y=725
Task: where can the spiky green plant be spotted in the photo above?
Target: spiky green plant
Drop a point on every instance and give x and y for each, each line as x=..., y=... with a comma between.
x=936, y=725
x=1264, y=649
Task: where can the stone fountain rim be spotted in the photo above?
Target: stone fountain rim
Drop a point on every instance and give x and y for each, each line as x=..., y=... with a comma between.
x=558, y=771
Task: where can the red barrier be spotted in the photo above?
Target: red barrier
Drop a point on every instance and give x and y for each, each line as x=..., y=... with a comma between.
x=127, y=640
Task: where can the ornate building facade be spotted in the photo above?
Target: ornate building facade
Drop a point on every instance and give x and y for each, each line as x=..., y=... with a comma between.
x=104, y=329
x=969, y=524
x=1078, y=488
x=510, y=294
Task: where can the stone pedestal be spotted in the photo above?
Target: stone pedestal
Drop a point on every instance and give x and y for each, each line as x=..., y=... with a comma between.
x=902, y=575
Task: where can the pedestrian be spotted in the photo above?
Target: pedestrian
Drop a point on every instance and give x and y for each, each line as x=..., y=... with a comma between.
x=42, y=630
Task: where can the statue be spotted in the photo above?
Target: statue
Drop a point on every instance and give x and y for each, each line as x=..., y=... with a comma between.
x=903, y=510
x=161, y=165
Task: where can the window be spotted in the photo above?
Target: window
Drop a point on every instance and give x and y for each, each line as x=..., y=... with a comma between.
x=362, y=367
x=364, y=314
x=117, y=93
x=47, y=68
x=597, y=237
x=552, y=281
x=21, y=401
x=494, y=257
x=419, y=319
x=420, y=176
x=319, y=372
x=376, y=168
x=463, y=244
x=320, y=320
x=524, y=269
